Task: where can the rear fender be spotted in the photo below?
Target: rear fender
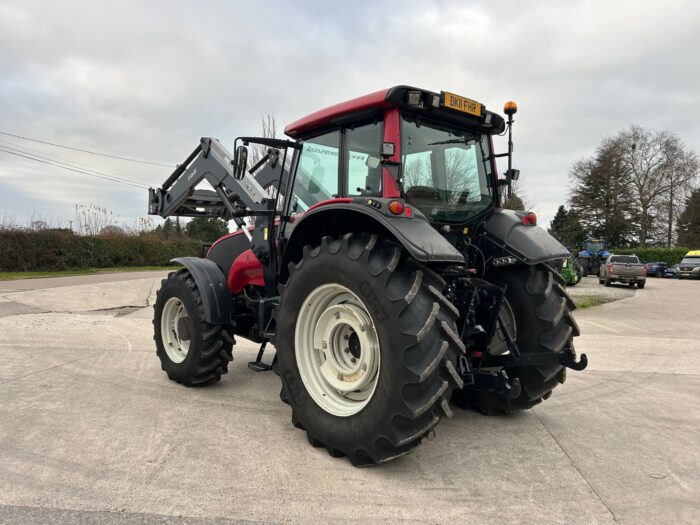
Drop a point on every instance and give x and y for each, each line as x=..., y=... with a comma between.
x=211, y=283
x=530, y=244
x=415, y=234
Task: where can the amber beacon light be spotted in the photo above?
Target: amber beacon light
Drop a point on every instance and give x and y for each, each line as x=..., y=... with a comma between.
x=510, y=108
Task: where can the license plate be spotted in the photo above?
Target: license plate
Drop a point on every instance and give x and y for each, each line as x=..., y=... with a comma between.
x=464, y=104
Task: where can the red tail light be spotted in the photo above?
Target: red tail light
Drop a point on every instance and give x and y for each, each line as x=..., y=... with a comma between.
x=645, y=271
x=610, y=268
x=530, y=219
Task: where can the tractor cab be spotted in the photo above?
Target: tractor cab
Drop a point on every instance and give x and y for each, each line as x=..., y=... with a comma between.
x=431, y=150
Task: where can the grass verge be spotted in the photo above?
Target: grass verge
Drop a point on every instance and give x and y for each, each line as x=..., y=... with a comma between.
x=588, y=301
x=11, y=276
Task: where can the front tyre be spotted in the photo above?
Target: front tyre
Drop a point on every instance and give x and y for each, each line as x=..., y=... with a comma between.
x=191, y=351
x=366, y=348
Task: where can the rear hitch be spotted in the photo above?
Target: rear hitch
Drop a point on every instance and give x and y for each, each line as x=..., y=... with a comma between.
x=489, y=381
x=569, y=361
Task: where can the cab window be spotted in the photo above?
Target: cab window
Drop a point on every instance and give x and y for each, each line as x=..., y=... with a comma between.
x=317, y=174
x=362, y=164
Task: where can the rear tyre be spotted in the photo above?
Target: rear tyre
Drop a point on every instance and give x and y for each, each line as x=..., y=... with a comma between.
x=366, y=348
x=191, y=351
x=607, y=282
x=631, y=285
x=542, y=312
x=641, y=285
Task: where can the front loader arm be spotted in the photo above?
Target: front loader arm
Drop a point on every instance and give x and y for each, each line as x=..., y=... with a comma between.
x=231, y=198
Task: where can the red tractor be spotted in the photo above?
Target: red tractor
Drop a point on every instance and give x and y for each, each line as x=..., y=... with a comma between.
x=372, y=251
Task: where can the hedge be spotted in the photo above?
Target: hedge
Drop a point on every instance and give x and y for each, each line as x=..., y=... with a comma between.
x=62, y=250
x=653, y=254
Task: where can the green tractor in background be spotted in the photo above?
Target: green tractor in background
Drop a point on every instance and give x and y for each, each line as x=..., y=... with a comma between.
x=570, y=271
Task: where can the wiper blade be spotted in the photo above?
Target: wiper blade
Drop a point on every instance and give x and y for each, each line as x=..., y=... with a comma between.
x=453, y=141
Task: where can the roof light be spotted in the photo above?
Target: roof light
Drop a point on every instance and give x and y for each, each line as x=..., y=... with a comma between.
x=413, y=98
x=388, y=149
x=510, y=108
x=435, y=101
x=396, y=207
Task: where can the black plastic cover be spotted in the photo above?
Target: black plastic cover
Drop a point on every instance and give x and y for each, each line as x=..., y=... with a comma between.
x=532, y=244
x=420, y=239
x=211, y=283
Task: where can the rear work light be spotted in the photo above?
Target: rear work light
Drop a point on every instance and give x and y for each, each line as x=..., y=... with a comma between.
x=530, y=219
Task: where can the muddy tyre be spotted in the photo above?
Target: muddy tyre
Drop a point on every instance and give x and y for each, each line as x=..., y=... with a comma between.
x=191, y=351
x=366, y=348
x=542, y=311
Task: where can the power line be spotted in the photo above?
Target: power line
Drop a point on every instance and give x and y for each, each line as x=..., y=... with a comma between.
x=85, y=150
x=84, y=172
x=58, y=160
x=72, y=167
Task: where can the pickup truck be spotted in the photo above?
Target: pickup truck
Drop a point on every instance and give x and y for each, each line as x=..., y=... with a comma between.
x=623, y=269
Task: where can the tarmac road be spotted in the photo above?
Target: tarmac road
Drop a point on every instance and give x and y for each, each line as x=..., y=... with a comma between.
x=92, y=431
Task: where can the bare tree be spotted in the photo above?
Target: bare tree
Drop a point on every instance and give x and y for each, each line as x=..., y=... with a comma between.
x=416, y=173
x=680, y=170
x=269, y=131
x=644, y=157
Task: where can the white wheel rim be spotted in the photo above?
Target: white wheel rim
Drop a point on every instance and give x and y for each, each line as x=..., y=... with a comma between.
x=176, y=344
x=337, y=350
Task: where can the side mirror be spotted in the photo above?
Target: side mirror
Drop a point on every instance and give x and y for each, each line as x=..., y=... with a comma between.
x=512, y=174
x=240, y=162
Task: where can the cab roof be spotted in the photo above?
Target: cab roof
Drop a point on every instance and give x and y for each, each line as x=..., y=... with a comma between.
x=374, y=103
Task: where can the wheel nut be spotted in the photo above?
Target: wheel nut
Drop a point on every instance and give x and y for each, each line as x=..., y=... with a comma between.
x=353, y=359
x=347, y=350
x=346, y=337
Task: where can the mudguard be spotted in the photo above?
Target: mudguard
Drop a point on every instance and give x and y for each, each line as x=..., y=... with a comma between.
x=211, y=282
x=415, y=234
x=531, y=244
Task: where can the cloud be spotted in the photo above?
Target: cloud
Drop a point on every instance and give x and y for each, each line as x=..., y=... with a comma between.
x=147, y=80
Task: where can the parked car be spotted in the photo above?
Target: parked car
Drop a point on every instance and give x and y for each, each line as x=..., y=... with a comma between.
x=624, y=269
x=689, y=267
x=656, y=269
x=671, y=272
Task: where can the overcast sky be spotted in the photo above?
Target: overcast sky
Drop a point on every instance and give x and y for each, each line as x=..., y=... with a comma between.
x=147, y=79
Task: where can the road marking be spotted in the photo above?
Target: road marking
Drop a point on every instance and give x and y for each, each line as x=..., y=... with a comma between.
x=587, y=321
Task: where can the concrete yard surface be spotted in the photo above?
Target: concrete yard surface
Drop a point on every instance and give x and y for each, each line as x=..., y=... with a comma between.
x=92, y=431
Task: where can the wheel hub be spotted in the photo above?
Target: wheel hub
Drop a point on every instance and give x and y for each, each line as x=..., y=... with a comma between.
x=175, y=330
x=337, y=350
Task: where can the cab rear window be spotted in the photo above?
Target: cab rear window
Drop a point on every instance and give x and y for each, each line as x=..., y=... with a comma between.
x=624, y=259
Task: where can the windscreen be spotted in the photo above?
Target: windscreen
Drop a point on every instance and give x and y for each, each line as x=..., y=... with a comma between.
x=446, y=171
